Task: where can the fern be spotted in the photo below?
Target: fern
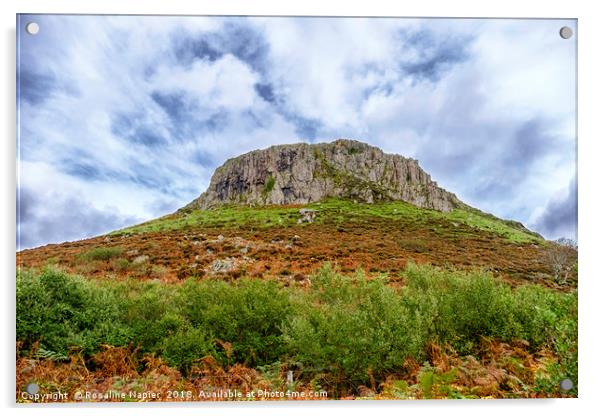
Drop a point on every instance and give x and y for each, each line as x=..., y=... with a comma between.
x=43, y=354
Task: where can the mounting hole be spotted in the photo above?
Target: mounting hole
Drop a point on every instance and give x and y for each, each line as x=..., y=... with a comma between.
x=566, y=384
x=32, y=28
x=566, y=32
x=32, y=388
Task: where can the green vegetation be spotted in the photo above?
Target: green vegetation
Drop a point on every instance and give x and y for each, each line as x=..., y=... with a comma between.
x=479, y=220
x=460, y=308
x=184, y=348
x=352, y=184
x=246, y=319
x=101, y=253
x=341, y=331
x=231, y=216
x=350, y=328
x=354, y=150
x=339, y=211
x=269, y=185
x=404, y=212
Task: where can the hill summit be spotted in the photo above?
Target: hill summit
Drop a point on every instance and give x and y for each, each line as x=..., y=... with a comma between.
x=302, y=173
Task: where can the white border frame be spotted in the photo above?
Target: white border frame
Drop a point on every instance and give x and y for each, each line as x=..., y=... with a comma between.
x=589, y=103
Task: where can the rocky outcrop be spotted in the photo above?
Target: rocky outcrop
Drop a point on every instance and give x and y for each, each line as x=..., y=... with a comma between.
x=302, y=173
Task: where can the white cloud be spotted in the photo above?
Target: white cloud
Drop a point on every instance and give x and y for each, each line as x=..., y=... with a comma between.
x=226, y=83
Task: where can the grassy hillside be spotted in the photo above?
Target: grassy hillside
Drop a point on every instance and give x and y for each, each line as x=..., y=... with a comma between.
x=334, y=210
x=235, y=241
x=381, y=300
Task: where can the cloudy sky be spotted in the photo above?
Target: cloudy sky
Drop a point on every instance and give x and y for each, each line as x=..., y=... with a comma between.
x=123, y=119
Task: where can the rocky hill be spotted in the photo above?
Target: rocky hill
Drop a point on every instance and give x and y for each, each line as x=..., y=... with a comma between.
x=283, y=211
x=303, y=173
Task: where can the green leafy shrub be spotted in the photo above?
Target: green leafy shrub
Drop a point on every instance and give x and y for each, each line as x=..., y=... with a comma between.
x=101, y=253
x=248, y=314
x=62, y=311
x=436, y=384
x=185, y=348
x=342, y=331
x=353, y=328
x=150, y=312
x=461, y=307
x=121, y=264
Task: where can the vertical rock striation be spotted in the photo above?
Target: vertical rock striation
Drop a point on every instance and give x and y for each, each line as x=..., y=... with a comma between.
x=302, y=173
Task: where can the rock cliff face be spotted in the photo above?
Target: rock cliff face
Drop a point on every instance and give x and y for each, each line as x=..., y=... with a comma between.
x=302, y=173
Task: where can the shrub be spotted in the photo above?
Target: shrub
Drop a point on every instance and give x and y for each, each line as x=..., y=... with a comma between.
x=247, y=314
x=344, y=330
x=269, y=185
x=353, y=328
x=62, y=311
x=101, y=253
x=120, y=264
x=462, y=307
x=150, y=313
x=185, y=348
x=561, y=257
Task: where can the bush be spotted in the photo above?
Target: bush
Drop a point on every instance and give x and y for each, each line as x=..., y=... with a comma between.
x=185, y=348
x=150, y=312
x=353, y=329
x=248, y=315
x=62, y=311
x=461, y=307
x=101, y=253
x=349, y=330
x=561, y=257
x=121, y=264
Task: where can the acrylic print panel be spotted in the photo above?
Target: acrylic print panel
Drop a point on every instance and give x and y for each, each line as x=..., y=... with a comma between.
x=283, y=208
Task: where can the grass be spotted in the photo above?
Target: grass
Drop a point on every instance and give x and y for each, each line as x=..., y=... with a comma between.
x=342, y=332
x=101, y=254
x=403, y=211
x=232, y=216
x=340, y=211
x=503, y=228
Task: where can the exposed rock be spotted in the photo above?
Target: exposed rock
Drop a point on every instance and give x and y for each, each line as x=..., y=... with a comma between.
x=140, y=259
x=308, y=215
x=223, y=265
x=303, y=173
